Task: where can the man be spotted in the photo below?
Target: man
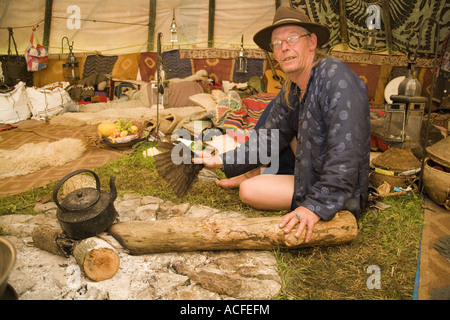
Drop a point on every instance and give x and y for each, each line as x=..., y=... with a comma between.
x=323, y=110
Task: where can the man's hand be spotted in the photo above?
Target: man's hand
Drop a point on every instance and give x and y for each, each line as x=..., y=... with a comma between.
x=301, y=215
x=207, y=159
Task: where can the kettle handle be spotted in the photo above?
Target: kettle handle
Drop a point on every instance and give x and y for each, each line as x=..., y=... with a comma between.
x=70, y=175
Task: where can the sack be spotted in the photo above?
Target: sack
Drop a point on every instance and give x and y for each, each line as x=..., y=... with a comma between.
x=36, y=57
x=48, y=100
x=14, y=105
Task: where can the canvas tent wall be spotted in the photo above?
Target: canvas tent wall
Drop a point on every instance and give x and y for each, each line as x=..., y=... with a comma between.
x=129, y=29
x=118, y=27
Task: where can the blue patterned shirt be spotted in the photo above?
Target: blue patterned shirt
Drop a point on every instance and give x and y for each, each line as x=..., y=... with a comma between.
x=332, y=126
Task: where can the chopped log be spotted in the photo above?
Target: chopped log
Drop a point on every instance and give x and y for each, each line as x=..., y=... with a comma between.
x=97, y=258
x=53, y=240
x=189, y=234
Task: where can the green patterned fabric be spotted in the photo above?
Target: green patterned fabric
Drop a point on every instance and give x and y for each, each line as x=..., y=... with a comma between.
x=406, y=19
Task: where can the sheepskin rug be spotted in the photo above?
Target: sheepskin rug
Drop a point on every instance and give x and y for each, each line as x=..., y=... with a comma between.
x=32, y=157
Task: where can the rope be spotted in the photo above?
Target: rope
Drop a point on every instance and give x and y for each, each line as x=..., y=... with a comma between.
x=106, y=21
x=23, y=27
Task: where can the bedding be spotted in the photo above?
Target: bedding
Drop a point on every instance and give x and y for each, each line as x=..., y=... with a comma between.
x=14, y=105
x=239, y=123
x=235, y=116
x=227, y=111
x=49, y=100
x=180, y=92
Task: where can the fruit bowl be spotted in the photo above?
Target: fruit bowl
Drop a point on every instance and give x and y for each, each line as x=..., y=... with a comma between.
x=122, y=145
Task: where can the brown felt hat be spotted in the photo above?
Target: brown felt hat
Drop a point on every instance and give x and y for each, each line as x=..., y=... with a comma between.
x=287, y=15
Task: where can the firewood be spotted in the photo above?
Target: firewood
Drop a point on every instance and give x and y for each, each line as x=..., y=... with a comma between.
x=97, y=258
x=192, y=234
x=53, y=240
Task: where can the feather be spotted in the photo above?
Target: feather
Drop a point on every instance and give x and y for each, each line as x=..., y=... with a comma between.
x=181, y=177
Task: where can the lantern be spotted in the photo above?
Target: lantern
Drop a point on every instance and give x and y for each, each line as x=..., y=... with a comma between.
x=241, y=60
x=70, y=68
x=403, y=118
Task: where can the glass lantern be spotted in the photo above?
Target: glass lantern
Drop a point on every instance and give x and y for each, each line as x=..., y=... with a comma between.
x=403, y=123
x=70, y=68
x=241, y=60
x=394, y=122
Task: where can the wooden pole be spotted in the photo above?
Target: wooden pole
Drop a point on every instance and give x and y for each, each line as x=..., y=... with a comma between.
x=188, y=234
x=343, y=22
x=47, y=23
x=387, y=25
x=278, y=4
x=211, y=21
x=151, y=26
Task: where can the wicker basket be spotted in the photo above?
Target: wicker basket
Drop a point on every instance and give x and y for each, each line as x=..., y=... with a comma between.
x=437, y=182
x=437, y=185
x=396, y=161
x=377, y=179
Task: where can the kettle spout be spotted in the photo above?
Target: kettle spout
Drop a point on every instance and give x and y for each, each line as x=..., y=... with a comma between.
x=113, y=190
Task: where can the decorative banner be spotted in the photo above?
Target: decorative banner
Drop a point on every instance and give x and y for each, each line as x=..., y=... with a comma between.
x=406, y=20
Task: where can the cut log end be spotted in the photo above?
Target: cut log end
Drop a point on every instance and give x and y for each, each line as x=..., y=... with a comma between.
x=97, y=258
x=101, y=264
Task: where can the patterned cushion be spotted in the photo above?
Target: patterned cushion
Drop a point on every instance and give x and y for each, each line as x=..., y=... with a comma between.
x=239, y=123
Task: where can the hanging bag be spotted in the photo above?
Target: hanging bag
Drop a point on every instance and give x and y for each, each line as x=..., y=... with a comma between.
x=14, y=67
x=36, y=57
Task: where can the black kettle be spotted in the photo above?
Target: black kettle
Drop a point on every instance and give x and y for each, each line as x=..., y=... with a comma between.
x=86, y=212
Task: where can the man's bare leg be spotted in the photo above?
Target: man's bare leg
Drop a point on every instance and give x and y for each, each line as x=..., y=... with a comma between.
x=268, y=192
x=235, y=182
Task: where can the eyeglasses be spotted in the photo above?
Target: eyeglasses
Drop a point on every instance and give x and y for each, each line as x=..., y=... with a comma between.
x=290, y=41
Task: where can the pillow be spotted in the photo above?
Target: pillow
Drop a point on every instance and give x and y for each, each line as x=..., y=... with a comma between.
x=180, y=92
x=256, y=104
x=227, y=85
x=49, y=100
x=204, y=100
x=14, y=105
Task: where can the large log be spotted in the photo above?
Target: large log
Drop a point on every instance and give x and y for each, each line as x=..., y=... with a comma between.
x=189, y=234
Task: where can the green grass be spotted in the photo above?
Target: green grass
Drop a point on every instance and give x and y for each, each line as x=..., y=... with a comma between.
x=388, y=239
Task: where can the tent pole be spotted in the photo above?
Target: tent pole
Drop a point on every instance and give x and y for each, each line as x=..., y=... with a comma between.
x=343, y=22
x=151, y=26
x=278, y=4
x=387, y=25
x=47, y=23
x=212, y=10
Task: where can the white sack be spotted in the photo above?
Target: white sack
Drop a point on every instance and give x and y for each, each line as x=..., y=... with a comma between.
x=14, y=105
x=49, y=100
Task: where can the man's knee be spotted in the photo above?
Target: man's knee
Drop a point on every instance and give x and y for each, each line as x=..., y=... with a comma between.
x=245, y=192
